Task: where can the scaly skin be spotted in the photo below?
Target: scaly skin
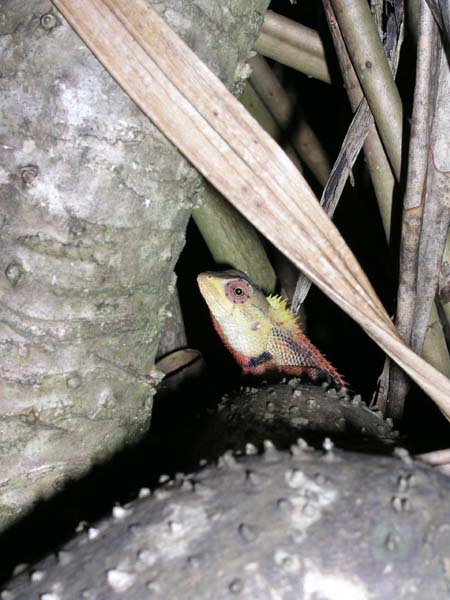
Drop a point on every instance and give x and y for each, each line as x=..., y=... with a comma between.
x=261, y=332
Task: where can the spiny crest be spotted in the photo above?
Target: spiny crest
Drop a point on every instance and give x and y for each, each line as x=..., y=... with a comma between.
x=281, y=311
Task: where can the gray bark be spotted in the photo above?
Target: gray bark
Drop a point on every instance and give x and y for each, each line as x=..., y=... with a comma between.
x=278, y=526
x=173, y=333
x=93, y=208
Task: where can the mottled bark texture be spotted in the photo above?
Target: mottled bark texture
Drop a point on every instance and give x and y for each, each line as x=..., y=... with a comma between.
x=307, y=526
x=94, y=204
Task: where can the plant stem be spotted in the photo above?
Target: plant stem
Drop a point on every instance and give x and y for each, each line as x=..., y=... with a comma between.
x=293, y=45
x=369, y=60
x=304, y=140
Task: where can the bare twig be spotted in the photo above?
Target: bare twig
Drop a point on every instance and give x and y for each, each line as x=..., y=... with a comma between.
x=293, y=33
x=377, y=162
x=426, y=223
x=371, y=65
x=294, y=45
x=293, y=56
x=251, y=99
x=196, y=111
x=441, y=12
x=421, y=116
x=255, y=105
x=413, y=202
x=436, y=216
x=444, y=288
x=351, y=147
x=304, y=140
x=435, y=349
x=232, y=240
x=362, y=124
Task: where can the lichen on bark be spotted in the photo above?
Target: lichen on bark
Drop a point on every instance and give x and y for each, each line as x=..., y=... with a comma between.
x=94, y=205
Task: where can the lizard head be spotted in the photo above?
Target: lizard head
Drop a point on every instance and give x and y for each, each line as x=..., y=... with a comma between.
x=230, y=294
x=239, y=308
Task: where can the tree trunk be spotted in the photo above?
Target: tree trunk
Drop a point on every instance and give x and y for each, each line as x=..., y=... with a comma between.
x=305, y=526
x=94, y=205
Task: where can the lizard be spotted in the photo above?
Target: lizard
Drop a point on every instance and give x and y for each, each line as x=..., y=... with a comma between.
x=260, y=331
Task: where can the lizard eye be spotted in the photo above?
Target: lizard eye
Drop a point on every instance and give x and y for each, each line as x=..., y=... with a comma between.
x=237, y=291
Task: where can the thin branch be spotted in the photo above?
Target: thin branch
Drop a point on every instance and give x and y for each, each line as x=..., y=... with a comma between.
x=444, y=289
x=232, y=240
x=362, y=125
x=371, y=65
x=293, y=33
x=413, y=202
x=351, y=147
x=436, y=216
x=379, y=167
x=294, y=45
x=293, y=56
x=251, y=99
x=304, y=140
x=435, y=349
